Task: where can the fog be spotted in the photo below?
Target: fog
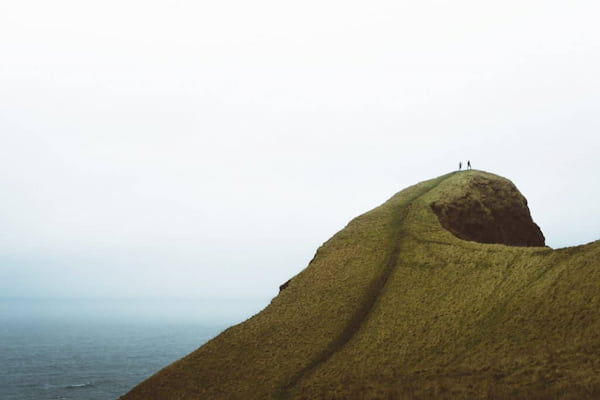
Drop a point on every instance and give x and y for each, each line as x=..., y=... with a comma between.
x=210, y=312
x=183, y=149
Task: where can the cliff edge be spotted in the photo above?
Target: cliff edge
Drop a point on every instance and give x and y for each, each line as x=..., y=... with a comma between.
x=486, y=208
x=444, y=291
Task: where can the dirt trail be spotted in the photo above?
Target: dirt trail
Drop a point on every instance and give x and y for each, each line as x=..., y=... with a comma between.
x=369, y=299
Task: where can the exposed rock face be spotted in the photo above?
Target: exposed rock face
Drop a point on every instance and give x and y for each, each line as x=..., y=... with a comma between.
x=489, y=210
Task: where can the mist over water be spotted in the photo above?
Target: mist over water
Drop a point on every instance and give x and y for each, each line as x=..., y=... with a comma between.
x=98, y=349
x=213, y=156
x=209, y=310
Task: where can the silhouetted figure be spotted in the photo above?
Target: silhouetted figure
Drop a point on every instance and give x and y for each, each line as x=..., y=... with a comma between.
x=469, y=164
x=460, y=165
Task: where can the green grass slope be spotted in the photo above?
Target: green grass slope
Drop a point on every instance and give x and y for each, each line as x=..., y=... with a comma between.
x=397, y=305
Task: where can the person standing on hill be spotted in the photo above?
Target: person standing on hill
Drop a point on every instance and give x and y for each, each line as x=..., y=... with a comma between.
x=469, y=164
x=460, y=165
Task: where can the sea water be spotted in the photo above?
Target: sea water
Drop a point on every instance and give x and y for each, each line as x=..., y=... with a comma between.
x=91, y=355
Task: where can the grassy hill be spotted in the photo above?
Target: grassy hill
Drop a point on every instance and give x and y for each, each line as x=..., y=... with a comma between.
x=444, y=291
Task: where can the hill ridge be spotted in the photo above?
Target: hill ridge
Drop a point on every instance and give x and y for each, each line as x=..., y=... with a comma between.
x=365, y=308
x=395, y=305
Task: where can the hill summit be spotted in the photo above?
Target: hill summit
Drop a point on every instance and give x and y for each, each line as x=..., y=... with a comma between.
x=444, y=291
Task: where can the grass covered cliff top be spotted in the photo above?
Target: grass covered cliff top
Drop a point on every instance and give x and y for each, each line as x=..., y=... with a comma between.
x=444, y=291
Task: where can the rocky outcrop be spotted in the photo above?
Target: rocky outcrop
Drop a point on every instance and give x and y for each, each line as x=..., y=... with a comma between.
x=489, y=210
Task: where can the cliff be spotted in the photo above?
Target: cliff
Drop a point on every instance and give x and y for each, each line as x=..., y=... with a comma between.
x=443, y=291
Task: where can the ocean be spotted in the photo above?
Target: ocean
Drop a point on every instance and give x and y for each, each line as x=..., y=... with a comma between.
x=87, y=352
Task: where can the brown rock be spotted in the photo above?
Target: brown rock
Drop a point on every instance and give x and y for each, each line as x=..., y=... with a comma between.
x=489, y=209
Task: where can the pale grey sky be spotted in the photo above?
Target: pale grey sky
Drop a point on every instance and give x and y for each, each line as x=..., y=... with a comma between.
x=206, y=149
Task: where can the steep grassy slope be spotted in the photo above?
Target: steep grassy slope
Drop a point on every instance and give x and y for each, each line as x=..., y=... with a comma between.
x=397, y=306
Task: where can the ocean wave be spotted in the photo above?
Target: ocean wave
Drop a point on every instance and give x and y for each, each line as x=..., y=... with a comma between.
x=78, y=385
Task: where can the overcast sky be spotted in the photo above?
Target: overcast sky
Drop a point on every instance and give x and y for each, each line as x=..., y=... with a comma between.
x=206, y=149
